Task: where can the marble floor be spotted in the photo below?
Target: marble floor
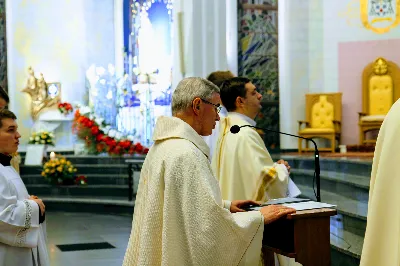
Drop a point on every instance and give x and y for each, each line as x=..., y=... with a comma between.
x=77, y=228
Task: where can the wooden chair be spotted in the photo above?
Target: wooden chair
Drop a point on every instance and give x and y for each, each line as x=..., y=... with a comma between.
x=380, y=89
x=323, y=119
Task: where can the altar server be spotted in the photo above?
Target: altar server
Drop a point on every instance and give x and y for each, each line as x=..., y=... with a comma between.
x=22, y=225
x=4, y=101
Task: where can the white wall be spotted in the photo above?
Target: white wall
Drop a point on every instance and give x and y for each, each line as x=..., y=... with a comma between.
x=342, y=23
x=59, y=38
x=310, y=34
x=350, y=47
x=316, y=46
x=294, y=70
x=205, y=47
x=232, y=35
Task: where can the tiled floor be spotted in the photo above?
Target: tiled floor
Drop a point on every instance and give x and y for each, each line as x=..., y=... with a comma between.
x=75, y=228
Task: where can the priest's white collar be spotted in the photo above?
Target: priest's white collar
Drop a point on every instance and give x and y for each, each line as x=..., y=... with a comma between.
x=244, y=117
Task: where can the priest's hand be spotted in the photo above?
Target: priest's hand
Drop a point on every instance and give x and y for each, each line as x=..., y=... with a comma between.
x=32, y=197
x=272, y=213
x=237, y=205
x=41, y=205
x=284, y=163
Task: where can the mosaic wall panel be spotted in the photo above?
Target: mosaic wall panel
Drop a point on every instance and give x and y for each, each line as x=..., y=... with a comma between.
x=258, y=60
x=3, y=46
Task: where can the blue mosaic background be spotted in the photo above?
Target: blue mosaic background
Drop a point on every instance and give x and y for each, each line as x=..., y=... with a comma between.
x=258, y=61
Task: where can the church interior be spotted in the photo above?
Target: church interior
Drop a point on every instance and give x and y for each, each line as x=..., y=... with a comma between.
x=88, y=80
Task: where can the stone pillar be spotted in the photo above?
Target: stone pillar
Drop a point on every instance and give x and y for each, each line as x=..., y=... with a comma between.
x=3, y=46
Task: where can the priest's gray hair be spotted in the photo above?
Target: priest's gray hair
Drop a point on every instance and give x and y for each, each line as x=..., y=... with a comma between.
x=190, y=88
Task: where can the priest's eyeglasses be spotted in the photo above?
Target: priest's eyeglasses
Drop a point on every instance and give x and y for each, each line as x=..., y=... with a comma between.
x=218, y=107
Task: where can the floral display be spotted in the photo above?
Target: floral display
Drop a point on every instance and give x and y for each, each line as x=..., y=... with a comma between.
x=59, y=170
x=100, y=137
x=42, y=137
x=65, y=108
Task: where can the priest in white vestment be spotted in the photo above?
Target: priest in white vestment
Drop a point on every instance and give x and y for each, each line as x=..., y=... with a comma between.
x=180, y=217
x=217, y=77
x=22, y=225
x=241, y=162
x=381, y=241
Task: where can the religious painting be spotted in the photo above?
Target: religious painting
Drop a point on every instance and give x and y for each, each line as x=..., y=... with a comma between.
x=258, y=59
x=3, y=45
x=380, y=15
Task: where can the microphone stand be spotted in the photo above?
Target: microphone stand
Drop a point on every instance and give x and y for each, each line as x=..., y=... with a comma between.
x=316, y=157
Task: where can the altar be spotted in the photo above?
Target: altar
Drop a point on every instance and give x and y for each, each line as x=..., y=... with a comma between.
x=49, y=114
x=60, y=125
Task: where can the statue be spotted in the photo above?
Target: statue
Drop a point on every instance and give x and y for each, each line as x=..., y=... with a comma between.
x=38, y=90
x=31, y=84
x=42, y=87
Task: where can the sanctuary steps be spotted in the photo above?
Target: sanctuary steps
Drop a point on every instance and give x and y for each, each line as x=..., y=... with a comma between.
x=106, y=192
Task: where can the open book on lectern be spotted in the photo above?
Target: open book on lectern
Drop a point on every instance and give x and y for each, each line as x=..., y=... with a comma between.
x=296, y=203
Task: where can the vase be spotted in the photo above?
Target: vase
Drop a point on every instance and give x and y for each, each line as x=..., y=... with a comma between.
x=45, y=151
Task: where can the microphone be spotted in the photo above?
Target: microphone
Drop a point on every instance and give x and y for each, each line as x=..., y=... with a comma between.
x=235, y=129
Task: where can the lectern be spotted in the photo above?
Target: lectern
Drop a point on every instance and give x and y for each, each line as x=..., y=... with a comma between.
x=304, y=236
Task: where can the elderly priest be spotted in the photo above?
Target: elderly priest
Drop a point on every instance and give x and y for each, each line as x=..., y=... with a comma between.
x=180, y=217
x=22, y=231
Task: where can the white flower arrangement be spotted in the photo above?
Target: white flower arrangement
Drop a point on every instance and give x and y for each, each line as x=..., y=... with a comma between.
x=42, y=137
x=112, y=133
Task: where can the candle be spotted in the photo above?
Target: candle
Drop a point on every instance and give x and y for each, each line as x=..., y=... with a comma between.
x=52, y=155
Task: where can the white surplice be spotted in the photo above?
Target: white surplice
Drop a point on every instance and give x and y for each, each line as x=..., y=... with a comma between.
x=381, y=242
x=180, y=217
x=22, y=238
